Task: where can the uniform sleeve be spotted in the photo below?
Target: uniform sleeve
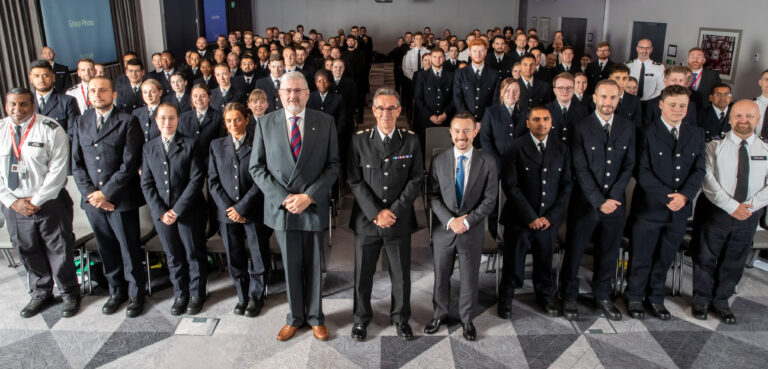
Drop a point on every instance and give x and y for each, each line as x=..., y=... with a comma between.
x=129, y=169
x=413, y=187
x=58, y=159
x=712, y=189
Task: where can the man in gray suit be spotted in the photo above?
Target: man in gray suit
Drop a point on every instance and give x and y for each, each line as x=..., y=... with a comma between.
x=463, y=188
x=294, y=161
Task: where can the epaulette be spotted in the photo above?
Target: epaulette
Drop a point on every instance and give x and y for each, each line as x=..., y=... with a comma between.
x=363, y=131
x=50, y=123
x=73, y=87
x=407, y=130
x=764, y=139
x=655, y=62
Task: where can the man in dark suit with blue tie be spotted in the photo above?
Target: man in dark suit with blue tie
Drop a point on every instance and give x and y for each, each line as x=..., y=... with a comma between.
x=670, y=170
x=536, y=178
x=566, y=109
x=463, y=188
x=271, y=83
x=106, y=157
x=295, y=168
x=476, y=87
x=603, y=156
x=58, y=106
x=433, y=94
x=704, y=79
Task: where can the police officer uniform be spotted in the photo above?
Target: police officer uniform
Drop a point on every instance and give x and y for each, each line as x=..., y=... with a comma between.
x=432, y=96
x=129, y=97
x=671, y=160
x=537, y=184
x=384, y=176
x=534, y=92
x=652, y=77
x=202, y=131
x=59, y=107
x=181, y=102
x=174, y=180
x=714, y=121
x=333, y=104
x=219, y=99
x=500, y=126
x=630, y=109
x=62, y=82
x=347, y=88
x=565, y=117
x=602, y=165
x=145, y=118
x=245, y=85
x=210, y=82
x=719, y=262
x=653, y=112
x=474, y=94
x=269, y=86
x=108, y=159
x=44, y=240
x=597, y=71
x=80, y=93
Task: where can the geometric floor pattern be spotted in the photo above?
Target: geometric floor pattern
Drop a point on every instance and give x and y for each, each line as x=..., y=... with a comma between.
x=528, y=340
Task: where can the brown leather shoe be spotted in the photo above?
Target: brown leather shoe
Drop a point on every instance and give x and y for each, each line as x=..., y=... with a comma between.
x=286, y=332
x=321, y=332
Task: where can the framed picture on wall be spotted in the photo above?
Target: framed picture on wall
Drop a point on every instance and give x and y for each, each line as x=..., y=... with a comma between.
x=543, y=29
x=721, y=48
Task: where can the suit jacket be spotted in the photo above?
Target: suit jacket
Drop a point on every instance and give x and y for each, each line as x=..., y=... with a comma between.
x=239, y=83
x=212, y=128
x=229, y=182
x=709, y=78
x=629, y=108
x=540, y=94
x=334, y=106
x=602, y=165
x=560, y=68
x=127, y=101
x=664, y=167
x=62, y=108
x=714, y=128
x=432, y=96
x=653, y=112
x=595, y=74
x=562, y=126
x=473, y=95
x=273, y=99
x=173, y=180
x=62, y=82
x=384, y=179
x=347, y=88
x=233, y=95
x=165, y=82
x=543, y=74
x=183, y=105
x=450, y=66
x=536, y=185
x=504, y=68
x=278, y=175
x=108, y=160
x=212, y=83
x=498, y=129
x=478, y=201
x=146, y=122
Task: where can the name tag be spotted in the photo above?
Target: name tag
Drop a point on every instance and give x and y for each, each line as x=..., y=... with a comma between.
x=759, y=158
x=402, y=157
x=36, y=144
x=649, y=74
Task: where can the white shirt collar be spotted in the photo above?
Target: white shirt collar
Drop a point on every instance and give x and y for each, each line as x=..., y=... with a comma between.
x=301, y=114
x=382, y=135
x=106, y=116
x=762, y=99
x=737, y=140
x=204, y=112
x=467, y=154
x=476, y=68
x=718, y=111
x=46, y=96
x=669, y=126
x=603, y=122
x=23, y=124
x=536, y=141
x=563, y=106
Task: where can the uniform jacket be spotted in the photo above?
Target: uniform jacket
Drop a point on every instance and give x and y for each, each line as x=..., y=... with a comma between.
x=229, y=182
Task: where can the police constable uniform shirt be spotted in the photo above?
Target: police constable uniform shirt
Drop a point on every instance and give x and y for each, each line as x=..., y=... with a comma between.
x=44, y=151
x=762, y=104
x=467, y=160
x=722, y=167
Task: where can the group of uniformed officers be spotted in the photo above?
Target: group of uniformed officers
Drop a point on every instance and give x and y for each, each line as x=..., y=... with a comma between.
x=561, y=161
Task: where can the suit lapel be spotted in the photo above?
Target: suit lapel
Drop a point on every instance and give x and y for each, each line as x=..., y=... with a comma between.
x=50, y=104
x=109, y=125
x=175, y=145
x=531, y=151
x=664, y=135
x=474, y=168
x=449, y=173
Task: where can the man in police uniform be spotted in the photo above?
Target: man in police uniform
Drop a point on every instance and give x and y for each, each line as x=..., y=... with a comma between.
x=597, y=70
x=649, y=73
x=37, y=208
x=106, y=157
x=61, y=71
x=713, y=117
x=385, y=172
x=476, y=87
x=129, y=96
x=432, y=96
x=85, y=70
x=674, y=75
x=669, y=174
x=735, y=195
x=566, y=109
x=603, y=150
x=62, y=108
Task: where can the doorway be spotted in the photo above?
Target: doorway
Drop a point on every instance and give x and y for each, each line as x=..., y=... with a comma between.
x=656, y=32
x=575, y=34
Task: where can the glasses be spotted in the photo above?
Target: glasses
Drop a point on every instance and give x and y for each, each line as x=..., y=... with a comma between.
x=388, y=109
x=293, y=90
x=722, y=94
x=564, y=89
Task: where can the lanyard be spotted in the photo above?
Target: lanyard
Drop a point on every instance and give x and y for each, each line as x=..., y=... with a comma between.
x=17, y=149
x=698, y=77
x=85, y=97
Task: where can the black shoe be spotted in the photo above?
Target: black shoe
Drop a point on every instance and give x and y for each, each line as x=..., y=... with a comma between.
x=660, y=311
x=240, y=307
x=70, y=307
x=135, y=307
x=700, y=311
x=608, y=309
x=254, y=308
x=404, y=331
x=34, y=306
x=112, y=304
x=636, y=309
x=725, y=314
x=570, y=310
x=195, y=305
x=505, y=310
x=359, y=332
x=179, y=305
x=433, y=326
x=470, y=334
x=550, y=307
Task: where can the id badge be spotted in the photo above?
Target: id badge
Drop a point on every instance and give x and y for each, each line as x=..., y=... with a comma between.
x=22, y=168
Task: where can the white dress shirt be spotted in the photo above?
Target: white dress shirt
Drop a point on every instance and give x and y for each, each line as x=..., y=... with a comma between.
x=762, y=103
x=411, y=62
x=468, y=156
x=44, y=152
x=536, y=141
x=722, y=168
x=289, y=123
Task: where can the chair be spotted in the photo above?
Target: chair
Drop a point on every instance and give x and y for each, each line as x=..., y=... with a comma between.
x=82, y=230
x=760, y=242
x=436, y=140
x=620, y=278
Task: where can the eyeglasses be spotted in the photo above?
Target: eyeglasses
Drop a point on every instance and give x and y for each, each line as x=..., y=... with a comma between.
x=722, y=94
x=293, y=90
x=388, y=109
x=564, y=89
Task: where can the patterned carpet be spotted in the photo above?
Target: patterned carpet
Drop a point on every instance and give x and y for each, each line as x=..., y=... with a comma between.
x=528, y=340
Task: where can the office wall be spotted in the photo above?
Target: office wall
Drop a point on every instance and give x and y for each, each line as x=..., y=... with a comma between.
x=152, y=16
x=593, y=10
x=385, y=22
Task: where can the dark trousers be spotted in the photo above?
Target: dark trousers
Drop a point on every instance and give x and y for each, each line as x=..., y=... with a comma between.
x=718, y=263
x=517, y=242
x=184, y=246
x=241, y=240
x=654, y=246
x=398, y=78
x=469, y=269
x=367, y=250
x=45, y=244
x=302, y=253
x=118, y=235
x=607, y=231
x=407, y=86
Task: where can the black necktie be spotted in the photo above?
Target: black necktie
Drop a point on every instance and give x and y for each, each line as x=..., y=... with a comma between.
x=418, y=60
x=477, y=73
x=673, y=131
x=387, y=140
x=742, y=175
x=101, y=123
x=13, y=177
x=607, y=129
x=541, y=148
x=565, y=112
x=641, y=82
x=277, y=84
x=722, y=117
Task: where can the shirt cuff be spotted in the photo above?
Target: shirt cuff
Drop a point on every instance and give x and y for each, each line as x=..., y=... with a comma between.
x=448, y=225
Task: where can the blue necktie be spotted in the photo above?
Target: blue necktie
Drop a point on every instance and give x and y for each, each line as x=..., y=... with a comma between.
x=460, y=181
